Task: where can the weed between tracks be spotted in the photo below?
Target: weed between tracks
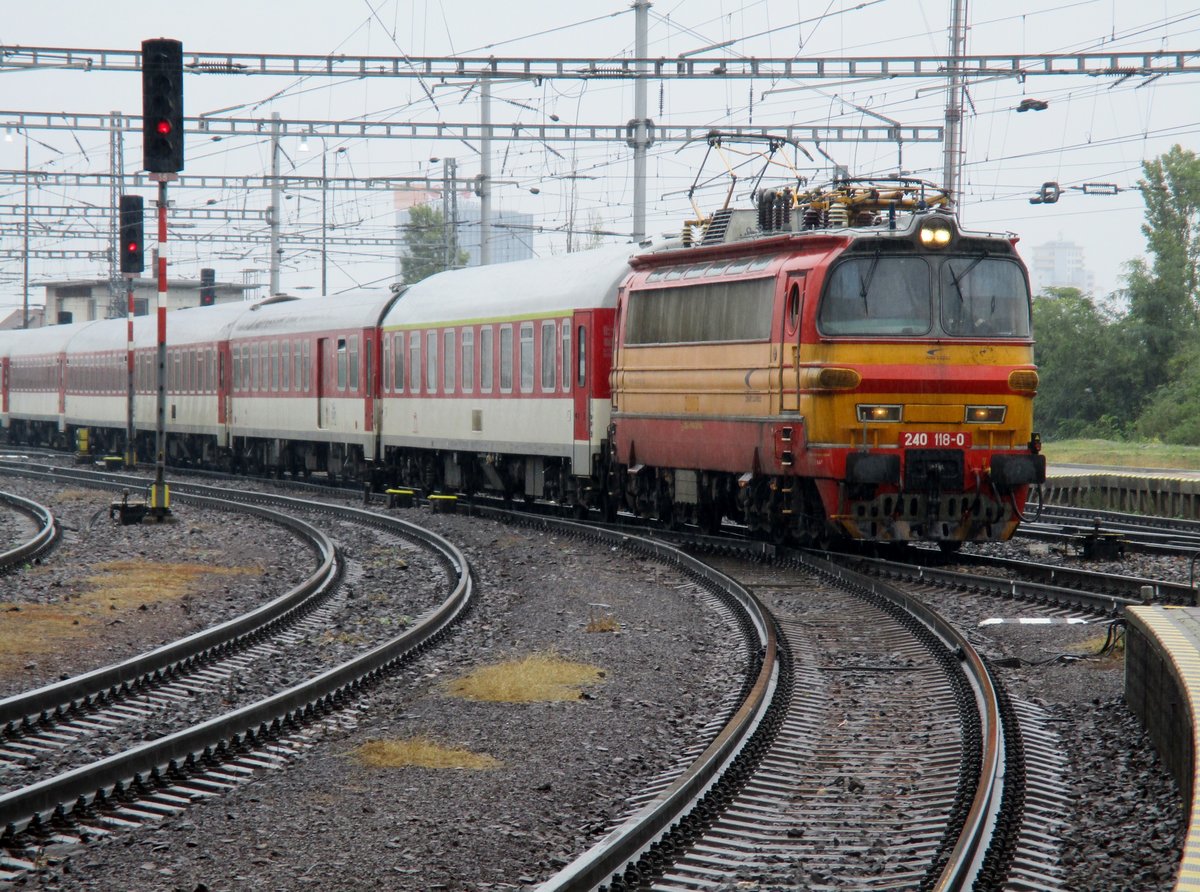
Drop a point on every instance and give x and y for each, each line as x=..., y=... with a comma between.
x=112, y=593
x=538, y=677
x=420, y=752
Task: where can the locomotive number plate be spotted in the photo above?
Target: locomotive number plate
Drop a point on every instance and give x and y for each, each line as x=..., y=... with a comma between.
x=935, y=439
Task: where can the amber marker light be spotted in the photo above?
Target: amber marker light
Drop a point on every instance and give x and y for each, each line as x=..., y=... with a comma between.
x=1023, y=381
x=831, y=379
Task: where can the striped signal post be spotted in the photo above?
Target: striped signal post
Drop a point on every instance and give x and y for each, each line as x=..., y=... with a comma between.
x=162, y=158
x=160, y=496
x=132, y=265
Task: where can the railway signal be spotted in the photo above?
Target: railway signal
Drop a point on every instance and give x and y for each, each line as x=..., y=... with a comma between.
x=162, y=105
x=132, y=235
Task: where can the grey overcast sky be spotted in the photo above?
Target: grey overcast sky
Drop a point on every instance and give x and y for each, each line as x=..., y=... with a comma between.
x=1094, y=130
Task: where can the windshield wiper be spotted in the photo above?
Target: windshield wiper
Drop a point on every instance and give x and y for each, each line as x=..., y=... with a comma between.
x=864, y=285
x=956, y=279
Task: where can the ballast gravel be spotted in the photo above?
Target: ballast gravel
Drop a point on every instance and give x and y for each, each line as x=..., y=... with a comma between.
x=564, y=769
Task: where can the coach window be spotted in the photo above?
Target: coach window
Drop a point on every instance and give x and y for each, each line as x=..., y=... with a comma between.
x=266, y=368
x=549, y=350
x=448, y=359
x=300, y=379
x=581, y=368
x=486, y=359
x=244, y=381
x=506, y=358
x=467, y=339
x=354, y=381
x=342, y=363
x=254, y=367
x=566, y=354
x=285, y=366
x=275, y=366
x=414, y=362
x=526, y=357
x=431, y=362
x=398, y=361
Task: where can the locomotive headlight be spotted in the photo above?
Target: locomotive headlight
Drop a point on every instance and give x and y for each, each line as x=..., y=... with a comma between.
x=985, y=414
x=878, y=413
x=935, y=233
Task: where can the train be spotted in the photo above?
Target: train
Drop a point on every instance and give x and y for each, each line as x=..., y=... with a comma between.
x=841, y=362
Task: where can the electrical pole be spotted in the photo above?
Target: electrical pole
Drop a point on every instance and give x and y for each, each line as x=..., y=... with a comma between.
x=639, y=127
x=274, y=214
x=952, y=163
x=485, y=172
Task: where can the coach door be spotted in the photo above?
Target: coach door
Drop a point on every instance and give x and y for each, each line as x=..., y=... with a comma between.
x=581, y=387
x=321, y=383
x=789, y=359
x=4, y=386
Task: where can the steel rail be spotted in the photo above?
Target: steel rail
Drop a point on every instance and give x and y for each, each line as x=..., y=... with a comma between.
x=967, y=856
x=625, y=843
x=86, y=785
x=1096, y=602
x=180, y=654
x=46, y=535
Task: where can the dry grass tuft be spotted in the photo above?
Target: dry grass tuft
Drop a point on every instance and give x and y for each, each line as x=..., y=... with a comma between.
x=421, y=752
x=118, y=587
x=537, y=678
x=74, y=494
x=602, y=622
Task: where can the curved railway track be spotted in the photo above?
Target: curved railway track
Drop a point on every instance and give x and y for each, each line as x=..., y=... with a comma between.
x=44, y=536
x=160, y=777
x=755, y=806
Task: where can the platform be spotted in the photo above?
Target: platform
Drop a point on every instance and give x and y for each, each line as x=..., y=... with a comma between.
x=1171, y=493
x=1162, y=687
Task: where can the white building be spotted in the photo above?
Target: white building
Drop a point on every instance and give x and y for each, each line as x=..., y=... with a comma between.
x=1060, y=264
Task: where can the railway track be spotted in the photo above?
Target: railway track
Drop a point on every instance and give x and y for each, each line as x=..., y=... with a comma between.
x=817, y=756
x=148, y=780
x=40, y=542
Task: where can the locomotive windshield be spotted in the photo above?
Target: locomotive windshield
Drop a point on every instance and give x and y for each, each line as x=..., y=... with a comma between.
x=977, y=296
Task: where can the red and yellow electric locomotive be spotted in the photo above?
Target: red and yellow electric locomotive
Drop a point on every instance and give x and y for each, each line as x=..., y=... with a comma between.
x=857, y=365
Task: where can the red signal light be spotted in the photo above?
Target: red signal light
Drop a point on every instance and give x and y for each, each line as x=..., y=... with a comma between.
x=132, y=247
x=163, y=127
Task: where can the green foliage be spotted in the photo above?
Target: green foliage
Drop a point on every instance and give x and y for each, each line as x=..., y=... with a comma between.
x=1087, y=368
x=429, y=245
x=1173, y=413
x=1163, y=295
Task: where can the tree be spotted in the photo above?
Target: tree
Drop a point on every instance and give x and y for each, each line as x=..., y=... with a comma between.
x=1163, y=296
x=429, y=245
x=1087, y=369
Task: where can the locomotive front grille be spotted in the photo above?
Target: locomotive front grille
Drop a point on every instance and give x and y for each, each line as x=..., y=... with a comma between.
x=929, y=470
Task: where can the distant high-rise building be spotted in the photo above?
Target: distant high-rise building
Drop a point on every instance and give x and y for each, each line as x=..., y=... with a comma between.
x=1060, y=264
